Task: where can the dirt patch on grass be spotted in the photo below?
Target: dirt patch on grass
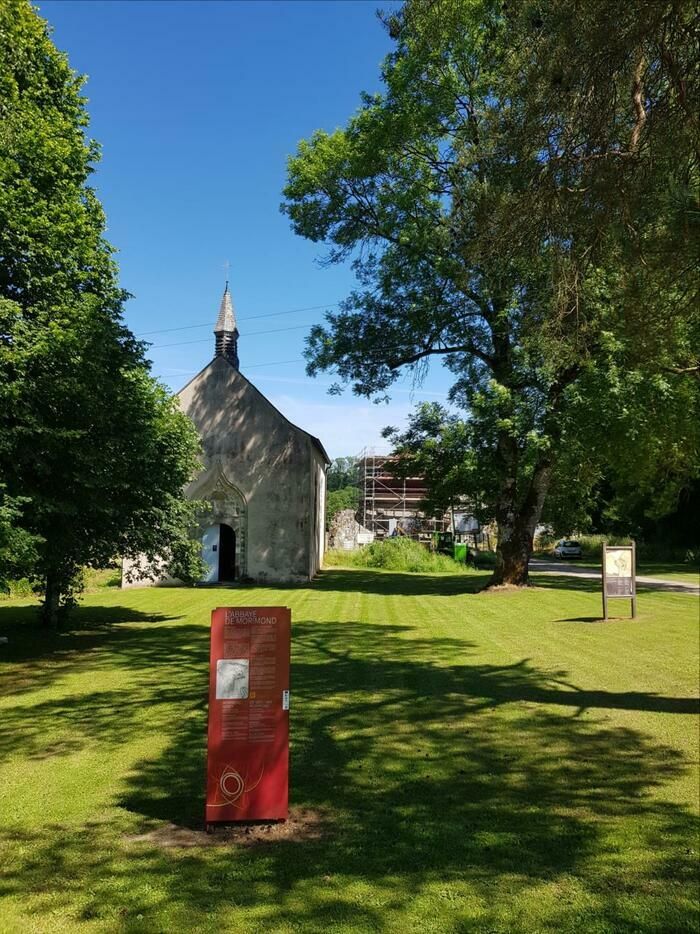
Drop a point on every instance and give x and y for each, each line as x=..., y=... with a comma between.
x=508, y=588
x=303, y=824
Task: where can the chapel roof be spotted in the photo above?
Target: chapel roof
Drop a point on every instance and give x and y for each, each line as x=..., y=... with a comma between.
x=218, y=361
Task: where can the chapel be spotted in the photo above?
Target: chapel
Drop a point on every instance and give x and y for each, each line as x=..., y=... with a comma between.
x=263, y=477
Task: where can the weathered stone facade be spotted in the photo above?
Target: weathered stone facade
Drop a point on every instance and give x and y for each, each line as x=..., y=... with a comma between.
x=346, y=533
x=264, y=478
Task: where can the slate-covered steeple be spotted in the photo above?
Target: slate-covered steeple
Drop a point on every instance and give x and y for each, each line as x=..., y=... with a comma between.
x=225, y=331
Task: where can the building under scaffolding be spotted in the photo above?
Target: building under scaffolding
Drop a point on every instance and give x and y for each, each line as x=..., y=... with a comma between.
x=391, y=505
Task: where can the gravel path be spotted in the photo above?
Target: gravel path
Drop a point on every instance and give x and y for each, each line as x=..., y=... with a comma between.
x=648, y=583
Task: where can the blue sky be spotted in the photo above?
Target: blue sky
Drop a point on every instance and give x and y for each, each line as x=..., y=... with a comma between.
x=197, y=106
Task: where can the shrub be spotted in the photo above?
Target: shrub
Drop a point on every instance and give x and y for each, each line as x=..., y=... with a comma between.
x=18, y=588
x=591, y=545
x=396, y=554
x=485, y=559
x=103, y=578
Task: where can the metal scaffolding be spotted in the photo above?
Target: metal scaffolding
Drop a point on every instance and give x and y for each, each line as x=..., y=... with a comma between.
x=389, y=503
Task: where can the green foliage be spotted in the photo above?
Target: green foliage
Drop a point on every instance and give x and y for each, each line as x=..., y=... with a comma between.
x=442, y=447
x=102, y=578
x=18, y=547
x=395, y=554
x=21, y=587
x=342, y=485
x=342, y=474
x=51, y=223
x=93, y=452
x=93, y=579
x=632, y=442
x=510, y=203
x=591, y=545
x=346, y=498
x=100, y=447
x=648, y=553
x=485, y=559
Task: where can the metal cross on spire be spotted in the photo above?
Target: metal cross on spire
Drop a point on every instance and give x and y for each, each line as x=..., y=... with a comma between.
x=227, y=269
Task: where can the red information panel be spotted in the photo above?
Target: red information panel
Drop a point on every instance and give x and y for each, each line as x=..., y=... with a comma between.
x=248, y=738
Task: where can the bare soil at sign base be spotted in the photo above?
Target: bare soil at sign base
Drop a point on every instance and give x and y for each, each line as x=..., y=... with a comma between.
x=302, y=824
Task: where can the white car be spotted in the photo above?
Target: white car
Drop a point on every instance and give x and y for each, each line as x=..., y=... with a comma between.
x=567, y=549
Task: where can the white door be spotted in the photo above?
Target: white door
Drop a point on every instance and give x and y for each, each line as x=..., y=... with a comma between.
x=210, y=554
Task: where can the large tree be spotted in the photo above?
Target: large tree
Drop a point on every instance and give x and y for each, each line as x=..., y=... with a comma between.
x=523, y=185
x=94, y=455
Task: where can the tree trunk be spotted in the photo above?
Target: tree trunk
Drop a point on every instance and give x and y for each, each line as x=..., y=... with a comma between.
x=518, y=511
x=516, y=527
x=512, y=556
x=50, y=608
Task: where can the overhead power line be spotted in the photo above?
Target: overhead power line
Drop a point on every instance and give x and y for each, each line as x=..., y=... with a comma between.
x=270, y=314
x=252, y=366
x=276, y=363
x=205, y=340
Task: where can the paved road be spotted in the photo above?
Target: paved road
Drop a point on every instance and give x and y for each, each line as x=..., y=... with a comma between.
x=577, y=570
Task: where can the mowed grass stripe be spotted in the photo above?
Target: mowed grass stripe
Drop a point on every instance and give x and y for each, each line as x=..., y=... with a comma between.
x=471, y=762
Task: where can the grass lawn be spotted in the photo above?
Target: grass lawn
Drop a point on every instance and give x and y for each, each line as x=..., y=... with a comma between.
x=460, y=762
x=675, y=571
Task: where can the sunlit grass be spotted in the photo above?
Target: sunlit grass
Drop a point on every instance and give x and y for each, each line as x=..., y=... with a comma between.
x=476, y=762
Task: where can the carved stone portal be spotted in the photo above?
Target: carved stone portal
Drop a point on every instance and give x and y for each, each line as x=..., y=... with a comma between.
x=228, y=506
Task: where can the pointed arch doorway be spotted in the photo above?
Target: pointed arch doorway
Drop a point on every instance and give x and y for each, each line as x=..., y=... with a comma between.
x=224, y=540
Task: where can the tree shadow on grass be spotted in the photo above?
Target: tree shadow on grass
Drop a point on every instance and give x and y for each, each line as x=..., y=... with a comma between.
x=564, y=582
x=452, y=585
x=444, y=585
x=401, y=583
x=484, y=781
x=427, y=770
x=92, y=635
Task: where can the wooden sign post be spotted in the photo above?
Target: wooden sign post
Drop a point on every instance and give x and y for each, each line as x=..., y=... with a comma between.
x=248, y=736
x=619, y=575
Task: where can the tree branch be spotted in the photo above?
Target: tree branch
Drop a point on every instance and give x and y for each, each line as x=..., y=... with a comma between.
x=640, y=113
x=431, y=351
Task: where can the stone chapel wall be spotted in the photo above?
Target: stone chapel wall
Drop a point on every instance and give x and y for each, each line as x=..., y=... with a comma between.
x=268, y=461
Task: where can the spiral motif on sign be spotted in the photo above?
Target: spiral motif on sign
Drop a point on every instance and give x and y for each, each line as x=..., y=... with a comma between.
x=232, y=785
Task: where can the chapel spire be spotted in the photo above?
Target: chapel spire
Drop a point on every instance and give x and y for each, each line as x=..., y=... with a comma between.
x=225, y=331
